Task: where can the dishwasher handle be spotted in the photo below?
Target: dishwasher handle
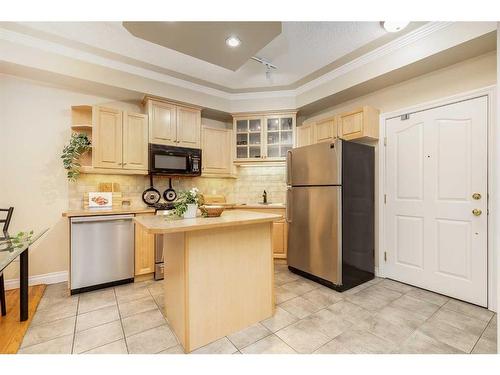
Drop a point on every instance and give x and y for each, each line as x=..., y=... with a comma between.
x=94, y=219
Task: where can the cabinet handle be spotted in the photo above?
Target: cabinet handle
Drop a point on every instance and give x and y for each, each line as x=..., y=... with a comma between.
x=124, y=163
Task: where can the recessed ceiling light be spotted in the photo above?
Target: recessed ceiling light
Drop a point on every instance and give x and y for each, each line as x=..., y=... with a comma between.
x=233, y=41
x=394, y=26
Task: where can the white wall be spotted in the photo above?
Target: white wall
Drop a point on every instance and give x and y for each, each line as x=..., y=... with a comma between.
x=35, y=124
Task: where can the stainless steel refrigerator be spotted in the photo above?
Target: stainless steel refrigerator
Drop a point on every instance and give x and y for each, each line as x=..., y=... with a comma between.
x=330, y=213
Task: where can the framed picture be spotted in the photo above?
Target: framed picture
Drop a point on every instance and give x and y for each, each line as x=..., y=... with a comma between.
x=101, y=200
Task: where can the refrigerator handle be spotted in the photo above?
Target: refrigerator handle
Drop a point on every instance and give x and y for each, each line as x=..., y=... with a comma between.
x=289, y=167
x=288, y=214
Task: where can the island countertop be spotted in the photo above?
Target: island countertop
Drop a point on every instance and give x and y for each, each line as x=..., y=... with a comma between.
x=162, y=225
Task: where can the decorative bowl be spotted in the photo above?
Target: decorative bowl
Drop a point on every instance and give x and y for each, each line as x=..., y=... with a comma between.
x=212, y=210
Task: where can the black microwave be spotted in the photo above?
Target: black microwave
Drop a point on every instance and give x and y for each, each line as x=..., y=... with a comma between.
x=174, y=161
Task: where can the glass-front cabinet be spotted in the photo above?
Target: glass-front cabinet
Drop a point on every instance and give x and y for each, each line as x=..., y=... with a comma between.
x=264, y=137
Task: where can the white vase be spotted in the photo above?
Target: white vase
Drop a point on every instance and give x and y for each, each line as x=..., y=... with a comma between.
x=191, y=211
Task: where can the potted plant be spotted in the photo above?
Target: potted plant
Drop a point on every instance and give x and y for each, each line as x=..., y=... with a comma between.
x=187, y=202
x=78, y=145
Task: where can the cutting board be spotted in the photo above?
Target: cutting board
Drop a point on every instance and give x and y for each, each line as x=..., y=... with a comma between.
x=117, y=200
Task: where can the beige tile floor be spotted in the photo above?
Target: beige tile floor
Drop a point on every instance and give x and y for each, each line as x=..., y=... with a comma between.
x=381, y=316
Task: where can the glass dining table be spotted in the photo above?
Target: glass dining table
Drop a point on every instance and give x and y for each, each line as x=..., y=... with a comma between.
x=11, y=248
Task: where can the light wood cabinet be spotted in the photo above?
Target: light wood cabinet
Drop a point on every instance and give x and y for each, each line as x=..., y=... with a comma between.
x=162, y=123
x=216, y=146
x=135, y=141
x=107, y=138
x=188, y=127
x=362, y=123
x=305, y=135
x=144, y=250
x=263, y=137
x=280, y=239
x=119, y=140
x=172, y=124
x=326, y=130
x=280, y=231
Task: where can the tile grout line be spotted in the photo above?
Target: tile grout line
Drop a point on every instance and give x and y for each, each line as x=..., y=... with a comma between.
x=482, y=333
x=74, y=328
x=121, y=322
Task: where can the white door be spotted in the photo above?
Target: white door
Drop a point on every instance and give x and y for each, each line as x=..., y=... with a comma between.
x=436, y=223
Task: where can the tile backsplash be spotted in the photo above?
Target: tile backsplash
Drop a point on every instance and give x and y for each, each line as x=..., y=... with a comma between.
x=247, y=188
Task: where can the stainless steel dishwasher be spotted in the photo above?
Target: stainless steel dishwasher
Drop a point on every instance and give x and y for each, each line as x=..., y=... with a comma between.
x=102, y=252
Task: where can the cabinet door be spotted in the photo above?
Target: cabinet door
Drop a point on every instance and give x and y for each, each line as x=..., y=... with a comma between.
x=144, y=251
x=249, y=138
x=107, y=138
x=188, y=127
x=279, y=136
x=135, y=141
x=305, y=135
x=279, y=239
x=351, y=125
x=162, y=123
x=216, y=149
x=326, y=130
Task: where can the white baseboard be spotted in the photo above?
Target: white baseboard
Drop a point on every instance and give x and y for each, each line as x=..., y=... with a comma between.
x=47, y=278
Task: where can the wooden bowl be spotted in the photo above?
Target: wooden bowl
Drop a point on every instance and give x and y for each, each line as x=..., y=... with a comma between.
x=212, y=210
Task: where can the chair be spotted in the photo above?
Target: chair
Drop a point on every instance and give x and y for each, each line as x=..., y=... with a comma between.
x=5, y=228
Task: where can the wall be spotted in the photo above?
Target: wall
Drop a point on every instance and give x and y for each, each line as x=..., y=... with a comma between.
x=462, y=77
x=35, y=124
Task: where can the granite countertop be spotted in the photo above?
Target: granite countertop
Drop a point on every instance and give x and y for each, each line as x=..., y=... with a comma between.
x=162, y=225
x=250, y=205
x=113, y=211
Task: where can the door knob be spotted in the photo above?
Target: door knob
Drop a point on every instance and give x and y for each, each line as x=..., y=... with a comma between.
x=476, y=212
x=476, y=196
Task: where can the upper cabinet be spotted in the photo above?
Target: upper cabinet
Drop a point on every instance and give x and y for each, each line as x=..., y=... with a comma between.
x=326, y=130
x=263, y=137
x=107, y=138
x=119, y=140
x=216, y=146
x=135, y=141
x=173, y=124
x=362, y=123
x=305, y=135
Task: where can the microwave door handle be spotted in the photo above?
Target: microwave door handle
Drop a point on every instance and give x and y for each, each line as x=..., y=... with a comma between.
x=190, y=162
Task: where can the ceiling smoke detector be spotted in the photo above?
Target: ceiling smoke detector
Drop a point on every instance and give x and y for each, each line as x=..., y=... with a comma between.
x=394, y=26
x=269, y=66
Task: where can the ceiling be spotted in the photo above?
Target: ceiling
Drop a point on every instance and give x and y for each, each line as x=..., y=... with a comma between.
x=206, y=40
x=302, y=51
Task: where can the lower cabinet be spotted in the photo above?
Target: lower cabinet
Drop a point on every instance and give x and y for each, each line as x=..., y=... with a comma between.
x=280, y=231
x=144, y=250
x=280, y=239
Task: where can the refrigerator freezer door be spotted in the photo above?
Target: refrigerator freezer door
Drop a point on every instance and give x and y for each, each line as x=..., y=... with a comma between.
x=315, y=165
x=314, y=235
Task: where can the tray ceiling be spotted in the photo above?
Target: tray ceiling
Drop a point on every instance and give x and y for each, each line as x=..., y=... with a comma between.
x=302, y=51
x=206, y=40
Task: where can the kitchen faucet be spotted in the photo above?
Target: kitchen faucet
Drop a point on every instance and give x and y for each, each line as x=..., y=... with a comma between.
x=264, y=197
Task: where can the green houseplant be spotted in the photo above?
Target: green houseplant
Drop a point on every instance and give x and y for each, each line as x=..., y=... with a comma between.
x=78, y=144
x=187, y=202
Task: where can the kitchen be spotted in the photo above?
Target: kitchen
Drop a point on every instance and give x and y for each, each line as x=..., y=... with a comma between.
x=102, y=288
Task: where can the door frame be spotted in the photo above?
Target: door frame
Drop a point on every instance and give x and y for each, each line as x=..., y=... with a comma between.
x=493, y=239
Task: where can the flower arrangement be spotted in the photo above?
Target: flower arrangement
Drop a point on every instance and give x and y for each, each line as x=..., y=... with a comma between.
x=187, y=203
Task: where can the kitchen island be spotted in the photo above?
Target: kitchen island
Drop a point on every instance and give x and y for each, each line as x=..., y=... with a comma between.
x=218, y=273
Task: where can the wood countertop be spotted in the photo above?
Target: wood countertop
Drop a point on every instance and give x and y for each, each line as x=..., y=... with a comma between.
x=114, y=211
x=162, y=225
